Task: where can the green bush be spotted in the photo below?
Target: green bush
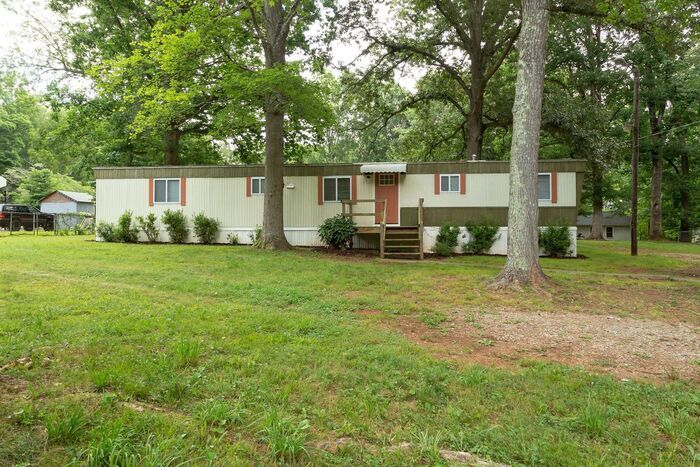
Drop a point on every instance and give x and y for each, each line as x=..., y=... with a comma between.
x=447, y=239
x=105, y=231
x=126, y=230
x=176, y=225
x=481, y=238
x=148, y=226
x=555, y=241
x=337, y=231
x=233, y=239
x=256, y=237
x=205, y=228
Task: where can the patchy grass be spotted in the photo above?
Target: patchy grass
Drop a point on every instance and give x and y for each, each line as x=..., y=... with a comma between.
x=162, y=354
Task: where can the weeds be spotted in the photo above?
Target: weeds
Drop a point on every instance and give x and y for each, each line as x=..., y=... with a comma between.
x=285, y=439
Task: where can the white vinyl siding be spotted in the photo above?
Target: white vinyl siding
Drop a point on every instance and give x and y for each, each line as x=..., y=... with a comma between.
x=166, y=190
x=257, y=185
x=449, y=183
x=544, y=187
x=336, y=189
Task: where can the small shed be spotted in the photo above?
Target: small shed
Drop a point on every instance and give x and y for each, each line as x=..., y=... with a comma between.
x=615, y=227
x=60, y=202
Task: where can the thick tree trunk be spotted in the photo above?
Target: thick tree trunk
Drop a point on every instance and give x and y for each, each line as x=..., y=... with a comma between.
x=275, y=56
x=475, y=128
x=597, y=198
x=685, y=234
x=656, y=230
x=522, y=264
x=172, y=146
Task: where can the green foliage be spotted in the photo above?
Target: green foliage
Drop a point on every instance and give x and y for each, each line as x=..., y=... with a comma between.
x=106, y=231
x=35, y=186
x=337, y=231
x=66, y=425
x=285, y=439
x=481, y=238
x=555, y=241
x=233, y=239
x=447, y=240
x=148, y=225
x=256, y=237
x=175, y=223
x=205, y=228
x=126, y=230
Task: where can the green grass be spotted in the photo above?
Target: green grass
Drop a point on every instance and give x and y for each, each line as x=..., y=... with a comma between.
x=164, y=354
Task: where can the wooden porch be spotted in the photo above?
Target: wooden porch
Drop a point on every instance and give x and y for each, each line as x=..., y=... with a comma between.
x=400, y=242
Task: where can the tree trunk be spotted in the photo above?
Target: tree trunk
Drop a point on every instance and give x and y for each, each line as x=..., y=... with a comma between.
x=685, y=233
x=475, y=128
x=597, y=195
x=522, y=264
x=656, y=231
x=275, y=56
x=172, y=146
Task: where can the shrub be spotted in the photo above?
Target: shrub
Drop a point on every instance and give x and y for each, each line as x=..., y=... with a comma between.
x=337, y=231
x=176, y=225
x=148, y=226
x=447, y=239
x=126, y=230
x=206, y=228
x=105, y=231
x=481, y=238
x=555, y=241
x=233, y=239
x=256, y=237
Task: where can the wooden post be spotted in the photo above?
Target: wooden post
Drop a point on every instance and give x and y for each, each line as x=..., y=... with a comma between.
x=420, y=226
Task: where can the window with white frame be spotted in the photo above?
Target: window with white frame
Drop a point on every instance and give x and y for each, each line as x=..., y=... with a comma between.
x=544, y=187
x=257, y=185
x=449, y=183
x=166, y=190
x=386, y=179
x=336, y=189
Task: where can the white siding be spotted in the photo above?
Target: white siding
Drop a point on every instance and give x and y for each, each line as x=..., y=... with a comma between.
x=57, y=208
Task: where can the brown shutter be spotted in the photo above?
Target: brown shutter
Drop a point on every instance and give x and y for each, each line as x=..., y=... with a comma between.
x=150, y=191
x=320, y=190
x=462, y=184
x=183, y=191
x=554, y=187
x=437, y=184
x=353, y=189
x=248, y=186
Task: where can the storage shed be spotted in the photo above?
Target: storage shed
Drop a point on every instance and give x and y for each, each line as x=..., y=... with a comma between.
x=60, y=202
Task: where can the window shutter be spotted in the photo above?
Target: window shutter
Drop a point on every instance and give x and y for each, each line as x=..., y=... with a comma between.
x=183, y=191
x=353, y=188
x=320, y=190
x=248, y=186
x=437, y=184
x=462, y=184
x=554, y=187
x=150, y=191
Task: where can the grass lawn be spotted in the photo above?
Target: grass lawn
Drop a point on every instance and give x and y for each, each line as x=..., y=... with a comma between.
x=162, y=355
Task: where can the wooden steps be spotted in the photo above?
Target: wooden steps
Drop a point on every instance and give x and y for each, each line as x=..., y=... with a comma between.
x=402, y=243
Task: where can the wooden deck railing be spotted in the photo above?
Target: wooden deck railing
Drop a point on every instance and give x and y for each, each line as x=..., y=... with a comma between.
x=347, y=211
x=420, y=226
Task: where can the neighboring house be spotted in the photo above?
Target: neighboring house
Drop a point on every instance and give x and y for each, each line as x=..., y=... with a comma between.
x=456, y=192
x=60, y=202
x=614, y=227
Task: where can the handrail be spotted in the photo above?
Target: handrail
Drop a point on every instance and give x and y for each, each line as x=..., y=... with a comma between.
x=420, y=226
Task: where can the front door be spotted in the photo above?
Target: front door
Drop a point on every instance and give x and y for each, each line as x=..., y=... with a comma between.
x=386, y=187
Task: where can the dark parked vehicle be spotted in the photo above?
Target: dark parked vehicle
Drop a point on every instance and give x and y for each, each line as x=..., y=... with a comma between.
x=14, y=216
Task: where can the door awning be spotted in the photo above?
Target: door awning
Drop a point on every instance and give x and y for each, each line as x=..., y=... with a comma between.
x=383, y=168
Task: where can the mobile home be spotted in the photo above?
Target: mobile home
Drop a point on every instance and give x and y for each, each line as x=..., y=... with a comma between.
x=407, y=196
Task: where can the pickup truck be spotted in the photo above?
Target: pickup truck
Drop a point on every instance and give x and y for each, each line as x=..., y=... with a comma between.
x=16, y=216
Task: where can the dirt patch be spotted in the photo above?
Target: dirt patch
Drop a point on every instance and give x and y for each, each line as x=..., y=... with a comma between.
x=622, y=347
